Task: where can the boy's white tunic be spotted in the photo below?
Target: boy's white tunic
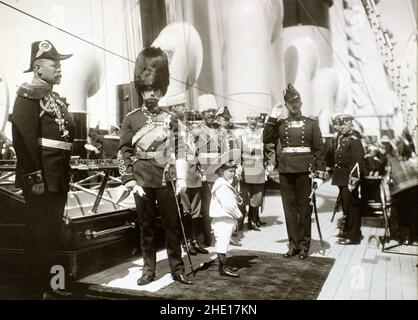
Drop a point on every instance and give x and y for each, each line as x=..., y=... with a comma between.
x=224, y=212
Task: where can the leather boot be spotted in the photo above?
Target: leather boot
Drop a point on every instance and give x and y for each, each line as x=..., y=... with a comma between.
x=258, y=222
x=251, y=220
x=224, y=270
x=192, y=249
x=198, y=248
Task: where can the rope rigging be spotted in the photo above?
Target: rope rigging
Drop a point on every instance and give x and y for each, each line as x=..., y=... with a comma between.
x=123, y=57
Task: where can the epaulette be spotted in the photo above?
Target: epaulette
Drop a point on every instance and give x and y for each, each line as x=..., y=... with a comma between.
x=353, y=134
x=32, y=91
x=133, y=111
x=313, y=118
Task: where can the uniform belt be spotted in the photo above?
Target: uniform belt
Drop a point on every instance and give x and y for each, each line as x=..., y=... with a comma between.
x=252, y=157
x=150, y=155
x=296, y=149
x=208, y=155
x=56, y=144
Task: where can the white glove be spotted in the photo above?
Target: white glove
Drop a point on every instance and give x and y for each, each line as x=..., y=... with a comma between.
x=131, y=185
x=318, y=181
x=351, y=187
x=38, y=188
x=181, y=186
x=139, y=190
x=276, y=111
x=269, y=169
x=238, y=171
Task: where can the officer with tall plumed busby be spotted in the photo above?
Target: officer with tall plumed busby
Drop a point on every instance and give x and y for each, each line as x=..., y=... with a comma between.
x=151, y=155
x=43, y=133
x=301, y=157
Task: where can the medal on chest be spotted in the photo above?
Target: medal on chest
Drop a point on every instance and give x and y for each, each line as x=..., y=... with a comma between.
x=52, y=105
x=295, y=124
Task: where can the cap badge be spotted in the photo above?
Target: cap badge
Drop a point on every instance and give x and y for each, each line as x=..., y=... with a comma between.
x=44, y=46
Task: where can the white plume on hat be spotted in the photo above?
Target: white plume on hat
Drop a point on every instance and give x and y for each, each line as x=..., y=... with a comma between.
x=206, y=102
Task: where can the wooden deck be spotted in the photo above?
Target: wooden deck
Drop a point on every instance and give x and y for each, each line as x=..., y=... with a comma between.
x=360, y=272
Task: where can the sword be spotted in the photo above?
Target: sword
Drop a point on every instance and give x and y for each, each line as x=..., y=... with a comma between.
x=312, y=196
x=123, y=196
x=182, y=228
x=127, y=192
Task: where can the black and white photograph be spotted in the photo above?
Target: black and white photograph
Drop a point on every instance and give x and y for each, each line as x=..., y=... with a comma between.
x=208, y=154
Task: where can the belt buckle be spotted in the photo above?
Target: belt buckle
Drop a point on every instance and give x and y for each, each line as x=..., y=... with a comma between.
x=151, y=155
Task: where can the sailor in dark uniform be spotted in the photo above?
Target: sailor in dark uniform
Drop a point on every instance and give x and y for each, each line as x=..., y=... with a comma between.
x=150, y=149
x=301, y=155
x=43, y=132
x=348, y=169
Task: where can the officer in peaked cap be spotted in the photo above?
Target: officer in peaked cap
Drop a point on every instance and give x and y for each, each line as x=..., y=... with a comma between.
x=151, y=155
x=43, y=132
x=348, y=170
x=301, y=157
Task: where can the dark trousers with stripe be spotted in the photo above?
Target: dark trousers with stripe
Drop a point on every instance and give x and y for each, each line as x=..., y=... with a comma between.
x=295, y=189
x=207, y=220
x=44, y=214
x=350, y=203
x=162, y=201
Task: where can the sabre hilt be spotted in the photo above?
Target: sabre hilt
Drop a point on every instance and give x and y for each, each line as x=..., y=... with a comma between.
x=312, y=194
x=165, y=175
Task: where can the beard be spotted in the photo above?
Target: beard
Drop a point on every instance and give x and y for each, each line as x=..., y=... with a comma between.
x=295, y=113
x=152, y=105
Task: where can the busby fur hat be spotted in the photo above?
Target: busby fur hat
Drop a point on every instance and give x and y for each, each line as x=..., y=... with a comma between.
x=291, y=94
x=151, y=69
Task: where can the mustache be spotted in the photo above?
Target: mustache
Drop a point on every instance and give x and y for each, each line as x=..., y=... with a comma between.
x=151, y=102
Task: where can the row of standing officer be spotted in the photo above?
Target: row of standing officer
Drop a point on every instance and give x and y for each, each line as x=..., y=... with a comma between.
x=157, y=148
x=206, y=142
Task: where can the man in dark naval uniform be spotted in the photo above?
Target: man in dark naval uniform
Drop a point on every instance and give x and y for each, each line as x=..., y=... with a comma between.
x=301, y=156
x=348, y=169
x=150, y=149
x=43, y=132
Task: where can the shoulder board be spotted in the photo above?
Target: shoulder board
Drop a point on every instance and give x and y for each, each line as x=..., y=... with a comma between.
x=133, y=111
x=32, y=91
x=312, y=118
x=354, y=137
